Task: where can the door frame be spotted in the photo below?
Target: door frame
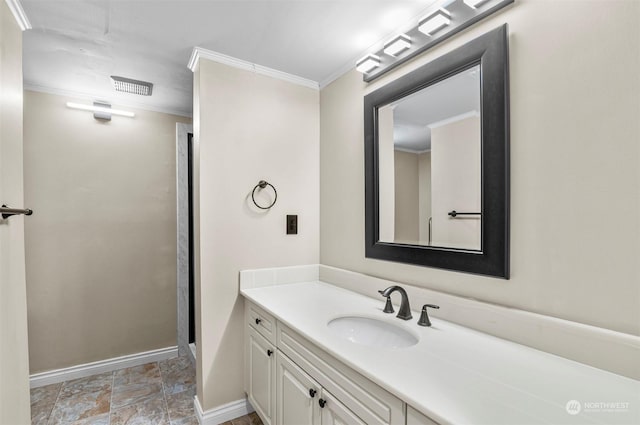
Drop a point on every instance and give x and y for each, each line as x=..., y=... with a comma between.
x=184, y=242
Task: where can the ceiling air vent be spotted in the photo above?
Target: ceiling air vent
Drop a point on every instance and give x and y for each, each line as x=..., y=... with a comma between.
x=128, y=85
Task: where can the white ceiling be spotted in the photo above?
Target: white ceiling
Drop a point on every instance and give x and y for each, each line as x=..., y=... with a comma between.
x=75, y=46
x=416, y=114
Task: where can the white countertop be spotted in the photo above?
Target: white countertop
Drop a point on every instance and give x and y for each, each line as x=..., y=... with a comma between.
x=454, y=374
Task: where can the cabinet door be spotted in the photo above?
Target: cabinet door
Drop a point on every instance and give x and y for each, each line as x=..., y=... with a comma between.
x=296, y=394
x=416, y=418
x=334, y=412
x=261, y=376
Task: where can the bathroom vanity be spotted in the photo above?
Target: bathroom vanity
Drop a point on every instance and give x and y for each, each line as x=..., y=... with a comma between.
x=290, y=377
x=302, y=368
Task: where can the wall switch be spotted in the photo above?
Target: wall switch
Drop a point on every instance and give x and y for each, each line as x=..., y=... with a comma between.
x=292, y=224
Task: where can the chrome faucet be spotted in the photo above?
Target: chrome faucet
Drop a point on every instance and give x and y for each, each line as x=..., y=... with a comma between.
x=405, y=311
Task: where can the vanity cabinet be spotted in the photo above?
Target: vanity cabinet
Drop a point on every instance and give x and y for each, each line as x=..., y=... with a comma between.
x=299, y=383
x=370, y=403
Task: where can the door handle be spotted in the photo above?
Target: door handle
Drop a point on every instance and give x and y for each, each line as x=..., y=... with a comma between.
x=269, y=353
x=312, y=392
x=8, y=212
x=322, y=403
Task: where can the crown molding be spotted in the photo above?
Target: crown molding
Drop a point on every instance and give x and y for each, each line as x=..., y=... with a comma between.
x=85, y=96
x=15, y=6
x=414, y=151
x=200, y=53
x=454, y=118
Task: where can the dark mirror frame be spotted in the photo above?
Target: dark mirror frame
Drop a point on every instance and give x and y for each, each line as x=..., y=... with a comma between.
x=490, y=51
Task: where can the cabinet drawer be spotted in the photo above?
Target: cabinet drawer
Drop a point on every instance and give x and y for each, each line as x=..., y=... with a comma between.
x=368, y=401
x=261, y=321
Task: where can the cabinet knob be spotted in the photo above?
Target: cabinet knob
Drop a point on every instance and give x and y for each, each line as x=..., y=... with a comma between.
x=312, y=392
x=269, y=353
x=322, y=403
x=258, y=321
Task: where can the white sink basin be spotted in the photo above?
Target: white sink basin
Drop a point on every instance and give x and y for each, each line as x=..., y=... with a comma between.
x=372, y=332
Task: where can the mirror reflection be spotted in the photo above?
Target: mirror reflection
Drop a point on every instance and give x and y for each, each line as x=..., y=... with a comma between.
x=429, y=147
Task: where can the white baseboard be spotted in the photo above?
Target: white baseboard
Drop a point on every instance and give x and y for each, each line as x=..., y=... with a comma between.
x=102, y=366
x=222, y=414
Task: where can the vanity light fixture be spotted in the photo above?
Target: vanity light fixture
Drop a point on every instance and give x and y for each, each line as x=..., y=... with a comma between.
x=443, y=21
x=434, y=21
x=100, y=110
x=475, y=3
x=397, y=45
x=368, y=63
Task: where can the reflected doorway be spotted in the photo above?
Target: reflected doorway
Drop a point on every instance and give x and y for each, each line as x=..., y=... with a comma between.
x=186, y=336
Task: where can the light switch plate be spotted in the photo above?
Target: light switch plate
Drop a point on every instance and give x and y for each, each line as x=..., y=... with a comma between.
x=292, y=224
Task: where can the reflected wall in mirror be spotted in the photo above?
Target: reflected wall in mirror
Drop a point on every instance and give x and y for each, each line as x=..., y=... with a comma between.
x=429, y=157
x=437, y=162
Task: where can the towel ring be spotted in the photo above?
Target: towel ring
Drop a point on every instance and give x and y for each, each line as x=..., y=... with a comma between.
x=262, y=184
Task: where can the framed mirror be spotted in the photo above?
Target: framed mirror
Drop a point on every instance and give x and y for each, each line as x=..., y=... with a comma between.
x=437, y=162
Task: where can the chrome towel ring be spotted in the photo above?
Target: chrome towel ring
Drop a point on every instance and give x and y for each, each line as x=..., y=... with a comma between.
x=263, y=184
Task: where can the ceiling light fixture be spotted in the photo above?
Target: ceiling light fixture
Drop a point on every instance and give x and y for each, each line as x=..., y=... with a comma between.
x=100, y=110
x=128, y=85
x=397, y=45
x=475, y=3
x=436, y=26
x=368, y=63
x=434, y=22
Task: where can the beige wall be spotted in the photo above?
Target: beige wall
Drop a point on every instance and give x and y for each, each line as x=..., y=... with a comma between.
x=248, y=127
x=406, y=197
x=101, y=251
x=575, y=182
x=14, y=364
x=424, y=196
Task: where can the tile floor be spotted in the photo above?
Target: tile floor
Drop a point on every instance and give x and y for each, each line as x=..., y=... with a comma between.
x=158, y=393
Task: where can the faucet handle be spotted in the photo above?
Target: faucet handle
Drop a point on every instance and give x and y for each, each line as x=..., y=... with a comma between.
x=388, y=307
x=424, y=316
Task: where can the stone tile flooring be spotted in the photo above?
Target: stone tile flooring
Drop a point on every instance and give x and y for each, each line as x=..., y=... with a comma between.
x=158, y=393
